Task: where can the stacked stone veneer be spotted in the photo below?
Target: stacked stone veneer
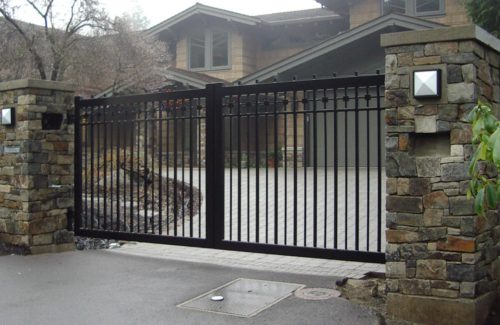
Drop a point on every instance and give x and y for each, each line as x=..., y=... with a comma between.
x=36, y=168
x=440, y=255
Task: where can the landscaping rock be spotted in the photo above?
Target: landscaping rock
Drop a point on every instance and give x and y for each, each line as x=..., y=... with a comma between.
x=86, y=243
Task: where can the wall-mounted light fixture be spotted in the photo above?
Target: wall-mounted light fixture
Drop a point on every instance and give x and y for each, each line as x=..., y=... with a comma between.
x=427, y=84
x=8, y=115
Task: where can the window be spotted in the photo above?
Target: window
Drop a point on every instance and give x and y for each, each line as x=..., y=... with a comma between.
x=429, y=7
x=197, y=51
x=209, y=50
x=394, y=6
x=413, y=7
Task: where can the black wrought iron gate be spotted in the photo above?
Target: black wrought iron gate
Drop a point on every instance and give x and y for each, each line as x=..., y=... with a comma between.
x=293, y=168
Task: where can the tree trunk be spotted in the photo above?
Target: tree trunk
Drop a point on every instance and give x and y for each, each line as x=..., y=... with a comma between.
x=39, y=64
x=55, y=70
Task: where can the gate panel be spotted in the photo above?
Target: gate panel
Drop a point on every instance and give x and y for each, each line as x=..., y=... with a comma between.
x=142, y=167
x=303, y=168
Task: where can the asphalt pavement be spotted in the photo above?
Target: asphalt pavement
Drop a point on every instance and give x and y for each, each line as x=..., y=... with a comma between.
x=102, y=287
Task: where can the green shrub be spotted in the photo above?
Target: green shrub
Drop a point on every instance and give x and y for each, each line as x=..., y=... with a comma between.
x=485, y=163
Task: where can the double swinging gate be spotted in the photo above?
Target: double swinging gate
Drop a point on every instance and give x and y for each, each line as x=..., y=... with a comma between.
x=292, y=168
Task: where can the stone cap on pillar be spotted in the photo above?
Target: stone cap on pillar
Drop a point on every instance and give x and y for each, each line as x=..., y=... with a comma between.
x=465, y=32
x=36, y=84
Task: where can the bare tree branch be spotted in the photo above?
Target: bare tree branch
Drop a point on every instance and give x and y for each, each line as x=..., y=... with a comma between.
x=83, y=48
x=71, y=16
x=29, y=42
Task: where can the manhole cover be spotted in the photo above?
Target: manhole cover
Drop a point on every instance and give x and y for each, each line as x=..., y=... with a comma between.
x=242, y=297
x=316, y=293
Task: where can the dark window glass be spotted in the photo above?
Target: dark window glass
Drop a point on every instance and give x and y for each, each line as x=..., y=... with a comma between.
x=394, y=6
x=220, y=46
x=423, y=6
x=197, y=51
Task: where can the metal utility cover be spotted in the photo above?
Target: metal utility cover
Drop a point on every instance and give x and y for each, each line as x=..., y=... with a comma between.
x=243, y=297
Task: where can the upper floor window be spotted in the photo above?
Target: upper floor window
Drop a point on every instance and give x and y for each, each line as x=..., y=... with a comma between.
x=209, y=49
x=413, y=7
x=429, y=7
x=394, y=6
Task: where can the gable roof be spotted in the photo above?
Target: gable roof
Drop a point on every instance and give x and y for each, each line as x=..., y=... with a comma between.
x=338, y=41
x=199, y=8
x=280, y=18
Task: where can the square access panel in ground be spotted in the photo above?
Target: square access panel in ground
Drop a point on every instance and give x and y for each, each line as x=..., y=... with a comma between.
x=243, y=297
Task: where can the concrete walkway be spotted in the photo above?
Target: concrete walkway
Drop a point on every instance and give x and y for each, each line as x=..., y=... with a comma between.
x=103, y=287
x=253, y=261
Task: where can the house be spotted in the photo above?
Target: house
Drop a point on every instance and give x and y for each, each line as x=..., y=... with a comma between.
x=212, y=45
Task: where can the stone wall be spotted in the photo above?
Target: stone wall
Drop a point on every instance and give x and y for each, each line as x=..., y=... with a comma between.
x=36, y=167
x=440, y=255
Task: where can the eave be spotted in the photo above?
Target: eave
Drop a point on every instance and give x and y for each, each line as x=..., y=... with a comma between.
x=198, y=9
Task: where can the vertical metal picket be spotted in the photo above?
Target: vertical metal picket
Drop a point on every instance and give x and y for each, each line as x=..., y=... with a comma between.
x=78, y=167
x=214, y=166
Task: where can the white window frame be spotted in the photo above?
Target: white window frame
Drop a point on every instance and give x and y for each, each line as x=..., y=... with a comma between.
x=440, y=11
x=411, y=9
x=209, y=52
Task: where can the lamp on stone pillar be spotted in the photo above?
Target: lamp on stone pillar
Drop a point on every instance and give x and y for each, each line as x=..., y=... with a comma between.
x=8, y=116
x=427, y=84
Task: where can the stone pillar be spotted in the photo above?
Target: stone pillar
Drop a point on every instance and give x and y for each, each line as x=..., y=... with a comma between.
x=440, y=255
x=36, y=167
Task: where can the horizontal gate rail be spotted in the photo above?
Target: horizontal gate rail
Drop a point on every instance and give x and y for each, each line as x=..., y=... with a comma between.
x=292, y=168
x=147, y=238
x=154, y=97
x=312, y=252
x=341, y=82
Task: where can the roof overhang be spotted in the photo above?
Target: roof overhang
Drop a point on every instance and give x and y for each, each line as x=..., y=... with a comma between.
x=172, y=74
x=199, y=8
x=190, y=78
x=303, y=20
x=339, y=6
x=338, y=41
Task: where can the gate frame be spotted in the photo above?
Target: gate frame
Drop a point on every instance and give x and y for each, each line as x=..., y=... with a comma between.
x=215, y=201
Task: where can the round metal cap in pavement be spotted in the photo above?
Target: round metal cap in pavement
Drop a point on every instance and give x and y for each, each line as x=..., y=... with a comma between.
x=316, y=293
x=217, y=298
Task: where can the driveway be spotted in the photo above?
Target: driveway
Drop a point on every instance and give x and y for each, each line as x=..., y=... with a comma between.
x=102, y=287
x=261, y=204
x=258, y=202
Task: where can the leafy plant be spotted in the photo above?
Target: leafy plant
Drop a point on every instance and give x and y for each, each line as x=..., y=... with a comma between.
x=485, y=13
x=484, y=186
x=276, y=154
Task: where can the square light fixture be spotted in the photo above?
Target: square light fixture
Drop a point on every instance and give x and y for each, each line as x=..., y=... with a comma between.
x=8, y=116
x=427, y=83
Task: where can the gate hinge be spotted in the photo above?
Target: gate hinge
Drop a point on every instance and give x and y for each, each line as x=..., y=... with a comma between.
x=71, y=219
x=70, y=118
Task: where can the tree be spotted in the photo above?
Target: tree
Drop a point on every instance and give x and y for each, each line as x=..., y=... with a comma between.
x=121, y=56
x=77, y=44
x=61, y=30
x=485, y=13
x=485, y=163
x=15, y=61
